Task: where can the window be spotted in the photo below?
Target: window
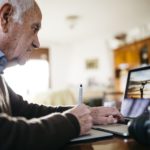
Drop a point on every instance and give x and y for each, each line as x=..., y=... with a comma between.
x=31, y=78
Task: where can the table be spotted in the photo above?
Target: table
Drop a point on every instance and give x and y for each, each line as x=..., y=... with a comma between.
x=114, y=143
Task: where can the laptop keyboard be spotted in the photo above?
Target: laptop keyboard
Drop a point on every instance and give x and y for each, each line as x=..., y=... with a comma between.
x=120, y=129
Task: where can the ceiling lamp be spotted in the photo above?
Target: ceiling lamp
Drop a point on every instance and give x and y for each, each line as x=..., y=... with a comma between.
x=72, y=21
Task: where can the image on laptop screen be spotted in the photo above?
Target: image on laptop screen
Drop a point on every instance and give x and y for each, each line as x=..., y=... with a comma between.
x=137, y=93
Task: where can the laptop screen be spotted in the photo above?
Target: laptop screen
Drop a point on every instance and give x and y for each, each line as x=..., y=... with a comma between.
x=137, y=93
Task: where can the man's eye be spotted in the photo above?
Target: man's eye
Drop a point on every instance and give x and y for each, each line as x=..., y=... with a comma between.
x=35, y=29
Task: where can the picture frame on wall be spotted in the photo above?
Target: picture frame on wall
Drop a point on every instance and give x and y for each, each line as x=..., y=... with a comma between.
x=92, y=63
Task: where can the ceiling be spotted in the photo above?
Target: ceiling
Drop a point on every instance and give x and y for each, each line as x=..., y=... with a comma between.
x=96, y=18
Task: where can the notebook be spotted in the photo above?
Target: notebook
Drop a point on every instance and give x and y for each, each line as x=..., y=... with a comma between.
x=136, y=100
x=93, y=135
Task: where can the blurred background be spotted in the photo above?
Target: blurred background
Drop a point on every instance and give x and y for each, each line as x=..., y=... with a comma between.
x=93, y=42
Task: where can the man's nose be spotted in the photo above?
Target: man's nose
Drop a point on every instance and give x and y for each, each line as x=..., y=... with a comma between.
x=36, y=43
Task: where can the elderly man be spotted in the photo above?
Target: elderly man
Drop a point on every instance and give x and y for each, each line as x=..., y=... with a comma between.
x=29, y=126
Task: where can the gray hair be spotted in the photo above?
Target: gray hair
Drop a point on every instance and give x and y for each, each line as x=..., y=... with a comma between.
x=21, y=6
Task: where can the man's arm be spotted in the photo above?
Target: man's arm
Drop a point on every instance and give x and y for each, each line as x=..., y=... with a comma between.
x=19, y=107
x=49, y=132
x=53, y=130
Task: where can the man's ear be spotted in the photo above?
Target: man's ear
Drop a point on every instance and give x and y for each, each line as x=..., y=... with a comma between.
x=6, y=12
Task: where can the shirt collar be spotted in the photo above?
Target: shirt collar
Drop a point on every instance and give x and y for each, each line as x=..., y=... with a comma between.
x=1, y=54
x=3, y=62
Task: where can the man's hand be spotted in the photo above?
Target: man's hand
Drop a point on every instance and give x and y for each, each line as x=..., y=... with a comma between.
x=83, y=114
x=105, y=115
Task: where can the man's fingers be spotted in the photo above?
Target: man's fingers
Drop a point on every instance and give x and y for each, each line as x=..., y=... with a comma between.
x=85, y=124
x=83, y=114
x=85, y=128
x=111, y=119
x=86, y=119
x=118, y=117
x=82, y=110
x=105, y=115
x=106, y=120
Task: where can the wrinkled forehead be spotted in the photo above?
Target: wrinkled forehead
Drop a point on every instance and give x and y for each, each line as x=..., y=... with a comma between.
x=34, y=14
x=35, y=10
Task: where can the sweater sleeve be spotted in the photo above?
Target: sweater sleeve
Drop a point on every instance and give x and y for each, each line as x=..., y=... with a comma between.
x=49, y=132
x=20, y=107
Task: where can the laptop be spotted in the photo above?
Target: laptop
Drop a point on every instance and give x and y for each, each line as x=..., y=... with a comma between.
x=135, y=103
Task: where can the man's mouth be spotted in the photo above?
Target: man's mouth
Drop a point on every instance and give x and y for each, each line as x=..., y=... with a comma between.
x=29, y=50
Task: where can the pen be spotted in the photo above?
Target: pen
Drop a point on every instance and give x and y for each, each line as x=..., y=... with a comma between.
x=80, y=100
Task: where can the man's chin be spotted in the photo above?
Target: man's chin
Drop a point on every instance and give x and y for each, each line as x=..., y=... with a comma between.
x=21, y=61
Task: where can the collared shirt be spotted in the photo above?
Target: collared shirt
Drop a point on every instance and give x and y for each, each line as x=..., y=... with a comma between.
x=3, y=62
